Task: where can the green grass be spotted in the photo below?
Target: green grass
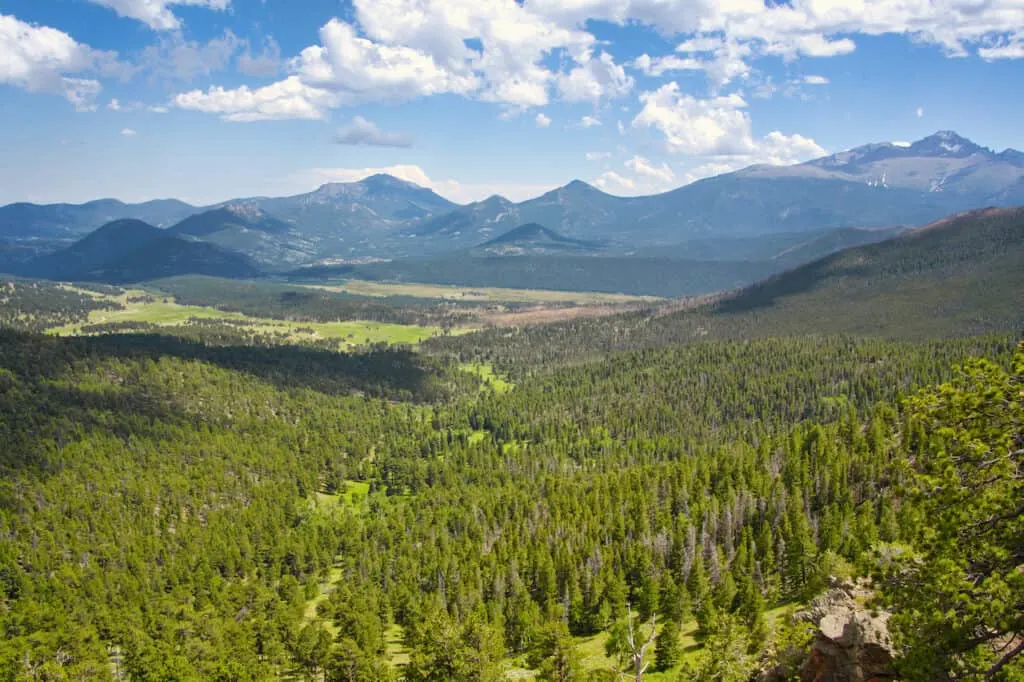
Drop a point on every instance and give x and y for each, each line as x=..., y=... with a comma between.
x=309, y=611
x=488, y=377
x=394, y=646
x=164, y=311
x=478, y=294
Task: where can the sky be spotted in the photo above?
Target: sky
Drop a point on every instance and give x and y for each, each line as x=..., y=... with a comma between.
x=208, y=100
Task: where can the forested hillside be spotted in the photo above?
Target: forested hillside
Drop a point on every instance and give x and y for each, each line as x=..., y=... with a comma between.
x=176, y=512
x=958, y=277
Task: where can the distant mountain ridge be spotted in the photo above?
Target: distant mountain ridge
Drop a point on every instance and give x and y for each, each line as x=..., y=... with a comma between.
x=383, y=217
x=943, y=162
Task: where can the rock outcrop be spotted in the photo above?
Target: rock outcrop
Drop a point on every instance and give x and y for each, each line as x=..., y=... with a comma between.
x=852, y=643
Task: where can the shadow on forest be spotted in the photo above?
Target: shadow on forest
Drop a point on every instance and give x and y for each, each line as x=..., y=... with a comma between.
x=43, y=405
x=797, y=281
x=386, y=373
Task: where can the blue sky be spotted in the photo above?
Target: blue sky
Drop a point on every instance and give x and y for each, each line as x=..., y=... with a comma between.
x=207, y=100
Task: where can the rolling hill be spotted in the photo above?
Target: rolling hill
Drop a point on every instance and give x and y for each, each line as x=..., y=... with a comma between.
x=534, y=239
x=63, y=221
x=128, y=251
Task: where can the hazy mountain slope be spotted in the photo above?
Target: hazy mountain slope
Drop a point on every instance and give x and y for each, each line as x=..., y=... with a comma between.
x=170, y=256
x=248, y=229
x=133, y=251
x=535, y=239
x=789, y=247
x=218, y=219
x=944, y=162
x=356, y=218
x=111, y=242
x=961, y=275
x=878, y=185
x=72, y=220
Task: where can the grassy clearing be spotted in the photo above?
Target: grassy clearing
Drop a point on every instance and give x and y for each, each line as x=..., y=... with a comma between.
x=394, y=646
x=477, y=294
x=309, y=611
x=488, y=377
x=141, y=306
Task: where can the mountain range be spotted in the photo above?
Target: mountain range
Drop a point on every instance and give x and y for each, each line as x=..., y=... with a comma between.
x=746, y=216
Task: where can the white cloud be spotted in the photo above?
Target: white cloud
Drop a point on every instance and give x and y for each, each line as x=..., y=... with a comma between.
x=510, y=42
x=809, y=27
x=1013, y=49
x=542, y=120
x=598, y=156
x=455, y=190
x=589, y=122
x=266, y=63
x=128, y=132
x=156, y=13
x=519, y=53
x=363, y=132
x=43, y=59
x=642, y=166
x=173, y=58
x=290, y=98
x=920, y=112
x=612, y=182
x=815, y=80
x=114, y=105
x=659, y=66
x=360, y=70
x=718, y=126
x=595, y=80
x=810, y=45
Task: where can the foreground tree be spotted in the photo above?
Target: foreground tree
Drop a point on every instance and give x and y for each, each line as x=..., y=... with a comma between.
x=629, y=643
x=958, y=593
x=725, y=656
x=556, y=657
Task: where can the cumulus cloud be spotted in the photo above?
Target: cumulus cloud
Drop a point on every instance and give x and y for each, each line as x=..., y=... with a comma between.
x=594, y=80
x=290, y=98
x=659, y=66
x=717, y=126
x=614, y=183
x=522, y=54
x=589, y=122
x=363, y=132
x=920, y=112
x=598, y=156
x=357, y=69
x=808, y=27
x=814, y=80
x=1012, y=49
x=157, y=13
x=542, y=120
x=128, y=132
x=642, y=166
x=455, y=190
x=44, y=59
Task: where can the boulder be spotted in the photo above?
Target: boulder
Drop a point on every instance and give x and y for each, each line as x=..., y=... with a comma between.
x=852, y=643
